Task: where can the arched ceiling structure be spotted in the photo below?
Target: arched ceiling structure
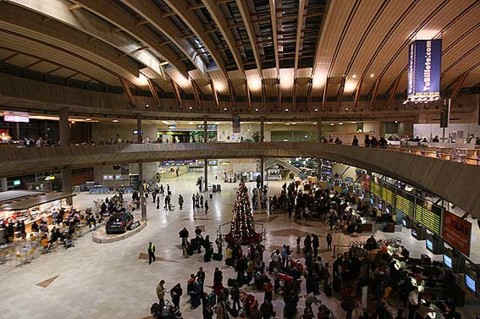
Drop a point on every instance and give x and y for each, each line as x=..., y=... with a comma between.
x=246, y=56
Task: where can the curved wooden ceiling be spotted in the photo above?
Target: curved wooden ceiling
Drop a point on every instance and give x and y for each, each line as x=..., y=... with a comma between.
x=272, y=50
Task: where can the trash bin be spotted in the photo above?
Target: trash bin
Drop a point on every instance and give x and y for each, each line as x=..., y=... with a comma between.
x=219, y=188
x=211, y=195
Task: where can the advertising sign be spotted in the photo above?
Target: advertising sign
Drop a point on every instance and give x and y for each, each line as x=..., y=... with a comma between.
x=16, y=118
x=457, y=232
x=424, y=68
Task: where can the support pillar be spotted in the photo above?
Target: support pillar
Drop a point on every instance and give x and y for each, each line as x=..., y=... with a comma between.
x=205, y=130
x=205, y=174
x=143, y=204
x=64, y=130
x=139, y=129
x=67, y=183
x=17, y=131
x=319, y=130
x=3, y=184
x=262, y=130
x=262, y=170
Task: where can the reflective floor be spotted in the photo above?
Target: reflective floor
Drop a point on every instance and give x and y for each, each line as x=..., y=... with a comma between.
x=114, y=280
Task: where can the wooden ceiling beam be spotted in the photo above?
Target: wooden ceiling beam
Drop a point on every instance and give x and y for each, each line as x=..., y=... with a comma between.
x=127, y=91
x=214, y=93
x=231, y=91
x=298, y=42
x=340, y=93
x=324, y=97
x=358, y=92
x=153, y=91
x=393, y=92
x=196, y=93
x=248, y=95
x=222, y=25
x=373, y=99
x=176, y=91
x=247, y=21
x=458, y=85
x=273, y=15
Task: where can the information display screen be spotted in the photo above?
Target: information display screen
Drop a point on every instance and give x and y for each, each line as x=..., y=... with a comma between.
x=405, y=203
x=471, y=277
x=375, y=186
x=429, y=215
x=447, y=261
x=388, y=193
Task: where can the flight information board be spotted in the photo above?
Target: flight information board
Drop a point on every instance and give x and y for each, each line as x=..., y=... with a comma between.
x=405, y=203
x=375, y=187
x=388, y=193
x=429, y=215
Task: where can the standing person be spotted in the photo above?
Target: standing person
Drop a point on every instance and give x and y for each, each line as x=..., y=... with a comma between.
x=158, y=202
x=176, y=293
x=219, y=243
x=412, y=303
x=180, y=201
x=151, y=252
x=193, y=201
x=161, y=293
x=200, y=278
x=315, y=245
x=201, y=201
x=206, y=206
x=348, y=304
x=329, y=241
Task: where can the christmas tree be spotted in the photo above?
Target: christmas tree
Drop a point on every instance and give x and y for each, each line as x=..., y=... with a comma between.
x=242, y=227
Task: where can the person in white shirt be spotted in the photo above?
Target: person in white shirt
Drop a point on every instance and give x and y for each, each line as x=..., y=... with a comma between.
x=412, y=303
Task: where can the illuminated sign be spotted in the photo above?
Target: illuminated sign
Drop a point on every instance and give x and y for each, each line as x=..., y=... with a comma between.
x=50, y=178
x=16, y=182
x=16, y=118
x=424, y=68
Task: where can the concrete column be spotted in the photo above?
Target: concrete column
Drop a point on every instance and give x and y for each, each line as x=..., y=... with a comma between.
x=143, y=204
x=262, y=130
x=205, y=174
x=64, y=128
x=67, y=183
x=139, y=129
x=17, y=131
x=205, y=130
x=319, y=130
x=3, y=184
x=262, y=170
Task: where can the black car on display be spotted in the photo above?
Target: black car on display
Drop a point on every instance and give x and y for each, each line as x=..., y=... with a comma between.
x=119, y=222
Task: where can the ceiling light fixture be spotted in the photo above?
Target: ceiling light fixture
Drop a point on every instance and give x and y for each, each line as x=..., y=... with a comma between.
x=115, y=121
x=286, y=110
x=372, y=75
x=354, y=76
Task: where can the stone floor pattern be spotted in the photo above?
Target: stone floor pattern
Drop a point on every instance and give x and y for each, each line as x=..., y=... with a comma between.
x=114, y=280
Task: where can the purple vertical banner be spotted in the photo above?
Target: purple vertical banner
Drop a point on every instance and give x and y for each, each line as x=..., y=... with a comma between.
x=424, y=69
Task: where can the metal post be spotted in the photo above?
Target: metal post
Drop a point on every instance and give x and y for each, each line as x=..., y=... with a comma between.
x=262, y=171
x=143, y=204
x=64, y=130
x=139, y=129
x=205, y=130
x=262, y=129
x=319, y=130
x=205, y=175
x=17, y=131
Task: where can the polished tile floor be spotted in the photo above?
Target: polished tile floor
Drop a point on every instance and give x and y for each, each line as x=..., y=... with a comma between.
x=115, y=281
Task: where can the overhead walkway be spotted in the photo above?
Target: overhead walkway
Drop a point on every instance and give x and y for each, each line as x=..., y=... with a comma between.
x=456, y=182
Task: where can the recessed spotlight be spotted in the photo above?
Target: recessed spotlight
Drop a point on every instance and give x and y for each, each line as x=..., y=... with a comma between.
x=256, y=110
x=332, y=124
x=287, y=123
x=224, y=108
x=346, y=109
x=147, y=105
x=354, y=76
x=315, y=123
x=286, y=110
x=353, y=122
x=293, y=123
x=73, y=122
x=115, y=121
x=191, y=107
x=340, y=123
x=372, y=75
x=316, y=110
x=88, y=119
x=190, y=123
x=396, y=122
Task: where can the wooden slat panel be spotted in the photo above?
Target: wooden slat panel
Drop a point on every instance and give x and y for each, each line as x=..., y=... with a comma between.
x=5, y=53
x=452, y=9
x=22, y=60
x=44, y=67
x=63, y=72
x=461, y=67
